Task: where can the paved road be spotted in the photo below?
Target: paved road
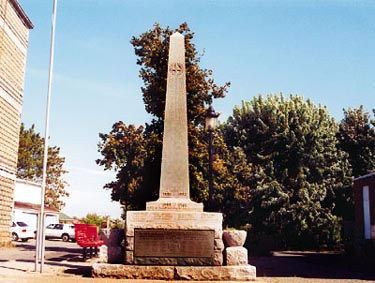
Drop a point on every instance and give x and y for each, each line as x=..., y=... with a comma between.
x=55, y=250
x=64, y=260
x=333, y=267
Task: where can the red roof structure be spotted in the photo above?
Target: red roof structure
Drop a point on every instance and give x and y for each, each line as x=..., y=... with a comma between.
x=32, y=207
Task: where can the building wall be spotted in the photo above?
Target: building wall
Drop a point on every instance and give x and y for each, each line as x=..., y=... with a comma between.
x=30, y=193
x=359, y=183
x=14, y=31
x=31, y=217
x=26, y=191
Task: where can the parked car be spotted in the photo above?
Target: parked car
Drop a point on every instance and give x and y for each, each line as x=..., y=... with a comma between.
x=20, y=230
x=64, y=232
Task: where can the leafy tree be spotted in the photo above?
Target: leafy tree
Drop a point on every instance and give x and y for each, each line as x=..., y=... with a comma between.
x=296, y=173
x=135, y=152
x=30, y=166
x=357, y=137
x=93, y=218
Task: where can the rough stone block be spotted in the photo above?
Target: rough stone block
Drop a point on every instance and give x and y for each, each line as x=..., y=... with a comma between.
x=234, y=238
x=218, y=258
x=129, y=243
x=133, y=271
x=129, y=257
x=103, y=254
x=236, y=256
x=219, y=245
x=194, y=273
x=216, y=273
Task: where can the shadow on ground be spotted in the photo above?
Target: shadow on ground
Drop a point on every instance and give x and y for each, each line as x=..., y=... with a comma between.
x=312, y=265
x=75, y=267
x=65, y=258
x=31, y=247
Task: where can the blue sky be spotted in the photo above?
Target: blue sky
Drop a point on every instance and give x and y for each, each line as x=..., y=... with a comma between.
x=323, y=50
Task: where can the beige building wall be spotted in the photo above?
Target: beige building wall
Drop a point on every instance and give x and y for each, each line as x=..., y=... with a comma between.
x=14, y=32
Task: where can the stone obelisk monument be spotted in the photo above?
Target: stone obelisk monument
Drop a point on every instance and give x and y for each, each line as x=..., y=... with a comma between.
x=174, y=231
x=173, y=238
x=174, y=179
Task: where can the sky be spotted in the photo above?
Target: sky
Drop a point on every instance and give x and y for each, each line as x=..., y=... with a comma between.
x=322, y=50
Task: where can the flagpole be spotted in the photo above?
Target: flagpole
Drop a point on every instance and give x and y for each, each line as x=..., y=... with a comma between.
x=41, y=229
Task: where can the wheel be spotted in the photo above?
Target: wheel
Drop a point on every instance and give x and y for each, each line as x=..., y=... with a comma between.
x=65, y=237
x=24, y=239
x=15, y=237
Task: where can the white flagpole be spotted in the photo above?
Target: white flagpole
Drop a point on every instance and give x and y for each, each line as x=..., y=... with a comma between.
x=41, y=228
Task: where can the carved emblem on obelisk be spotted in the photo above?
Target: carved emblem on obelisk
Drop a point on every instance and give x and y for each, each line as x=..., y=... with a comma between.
x=176, y=69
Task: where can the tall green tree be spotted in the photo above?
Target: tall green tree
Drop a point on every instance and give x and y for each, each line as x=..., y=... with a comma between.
x=135, y=152
x=297, y=171
x=30, y=166
x=357, y=137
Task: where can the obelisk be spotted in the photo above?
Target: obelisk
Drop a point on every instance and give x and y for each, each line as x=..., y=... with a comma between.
x=173, y=238
x=174, y=179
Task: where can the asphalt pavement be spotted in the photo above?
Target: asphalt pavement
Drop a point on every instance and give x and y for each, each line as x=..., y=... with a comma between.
x=55, y=250
x=64, y=263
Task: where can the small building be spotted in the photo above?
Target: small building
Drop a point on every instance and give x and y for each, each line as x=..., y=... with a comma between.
x=27, y=199
x=364, y=205
x=66, y=219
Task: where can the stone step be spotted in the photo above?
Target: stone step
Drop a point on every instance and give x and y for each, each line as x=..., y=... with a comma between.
x=195, y=273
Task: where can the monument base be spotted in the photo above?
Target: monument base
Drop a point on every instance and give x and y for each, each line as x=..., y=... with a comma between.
x=178, y=204
x=195, y=273
x=173, y=238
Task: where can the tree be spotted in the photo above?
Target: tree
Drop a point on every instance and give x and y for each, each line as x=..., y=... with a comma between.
x=93, y=218
x=357, y=137
x=297, y=173
x=135, y=152
x=30, y=166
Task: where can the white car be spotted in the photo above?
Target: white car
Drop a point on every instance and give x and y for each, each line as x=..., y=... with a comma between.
x=64, y=232
x=20, y=230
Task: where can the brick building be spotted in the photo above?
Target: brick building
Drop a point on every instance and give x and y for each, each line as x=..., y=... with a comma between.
x=14, y=33
x=364, y=200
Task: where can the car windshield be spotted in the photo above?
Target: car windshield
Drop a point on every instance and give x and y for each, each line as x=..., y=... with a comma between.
x=22, y=224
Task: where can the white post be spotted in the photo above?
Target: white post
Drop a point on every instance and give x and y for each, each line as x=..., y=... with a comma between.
x=366, y=213
x=37, y=247
x=41, y=228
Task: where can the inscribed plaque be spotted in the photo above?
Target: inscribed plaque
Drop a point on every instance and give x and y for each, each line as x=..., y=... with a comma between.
x=174, y=243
